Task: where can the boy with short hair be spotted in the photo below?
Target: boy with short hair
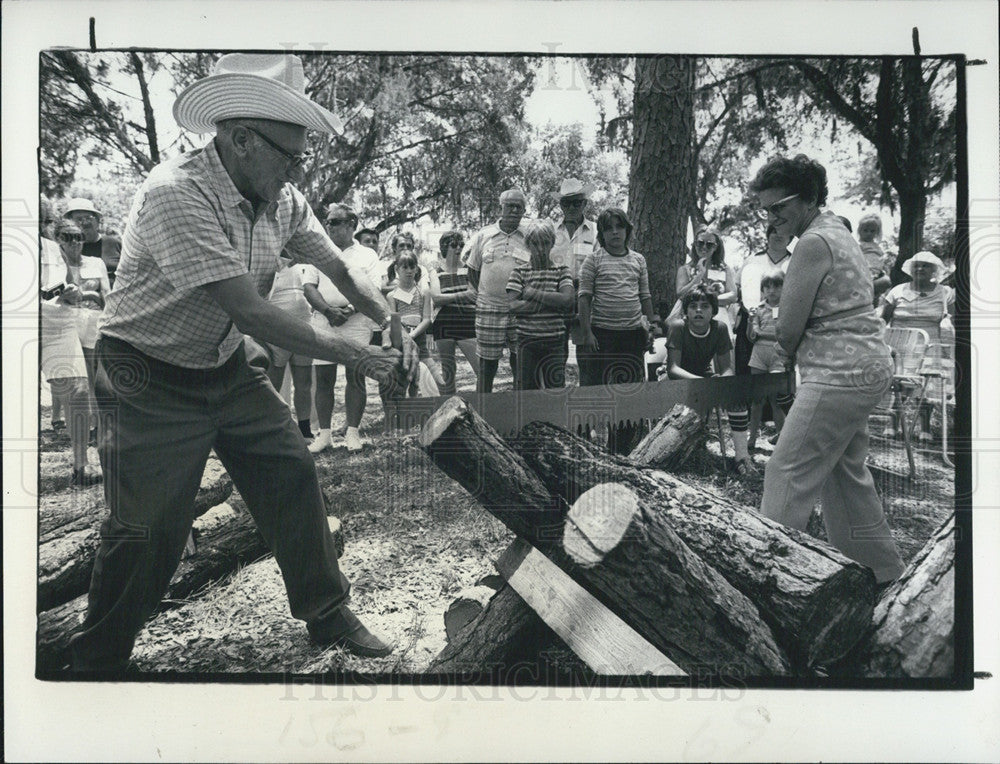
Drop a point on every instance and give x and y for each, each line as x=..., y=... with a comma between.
x=700, y=347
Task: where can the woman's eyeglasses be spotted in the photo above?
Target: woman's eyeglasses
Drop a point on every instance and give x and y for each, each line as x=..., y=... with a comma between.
x=455, y=244
x=71, y=238
x=774, y=209
x=706, y=243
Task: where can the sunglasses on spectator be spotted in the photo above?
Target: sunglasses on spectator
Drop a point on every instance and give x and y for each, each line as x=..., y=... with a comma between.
x=776, y=208
x=710, y=243
x=295, y=160
x=71, y=238
x=456, y=244
x=573, y=202
x=338, y=221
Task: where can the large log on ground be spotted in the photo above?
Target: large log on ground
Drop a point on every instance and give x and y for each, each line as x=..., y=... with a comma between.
x=70, y=511
x=672, y=440
x=651, y=580
x=818, y=602
x=227, y=538
x=69, y=535
x=914, y=625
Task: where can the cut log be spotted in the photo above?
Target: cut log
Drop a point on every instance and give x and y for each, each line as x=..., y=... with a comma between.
x=227, y=538
x=914, y=625
x=465, y=608
x=651, y=580
x=672, y=440
x=498, y=644
x=70, y=533
x=818, y=602
x=69, y=511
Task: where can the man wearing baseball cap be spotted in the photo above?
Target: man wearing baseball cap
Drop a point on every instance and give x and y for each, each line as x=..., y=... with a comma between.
x=95, y=244
x=199, y=253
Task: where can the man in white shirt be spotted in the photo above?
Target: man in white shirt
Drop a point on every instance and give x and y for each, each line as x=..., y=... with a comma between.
x=331, y=308
x=491, y=254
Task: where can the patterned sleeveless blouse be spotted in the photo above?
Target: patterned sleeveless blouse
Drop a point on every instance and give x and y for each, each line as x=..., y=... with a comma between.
x=847, y=349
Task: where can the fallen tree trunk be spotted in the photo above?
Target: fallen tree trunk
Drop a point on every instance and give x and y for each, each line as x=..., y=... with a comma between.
x=818, y=602
x=226, y=538
x=651, y=580
x=70, y=533
x=914, y=626
x=66, y=512
x=671, y=441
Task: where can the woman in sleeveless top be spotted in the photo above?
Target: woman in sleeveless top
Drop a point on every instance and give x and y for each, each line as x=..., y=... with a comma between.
x=455, y=301
x=827, y=322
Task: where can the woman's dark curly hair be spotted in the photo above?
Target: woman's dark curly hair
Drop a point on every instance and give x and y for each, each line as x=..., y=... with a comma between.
x=798, y=175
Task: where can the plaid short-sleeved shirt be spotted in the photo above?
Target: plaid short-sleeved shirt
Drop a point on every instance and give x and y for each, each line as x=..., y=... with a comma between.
x=189, y=226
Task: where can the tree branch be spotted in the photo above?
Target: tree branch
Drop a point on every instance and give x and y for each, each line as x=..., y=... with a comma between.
x=80, y=76
x=147, y=108
x=825, y=88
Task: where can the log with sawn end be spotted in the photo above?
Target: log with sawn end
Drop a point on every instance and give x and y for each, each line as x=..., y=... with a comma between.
x=70, y=534
x=914, y=625
x=651, y=580
x=227, y=538
x=818, y=602
x=672, y=439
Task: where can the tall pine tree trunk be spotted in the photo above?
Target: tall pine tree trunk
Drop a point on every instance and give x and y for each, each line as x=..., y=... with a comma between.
x=662, y=172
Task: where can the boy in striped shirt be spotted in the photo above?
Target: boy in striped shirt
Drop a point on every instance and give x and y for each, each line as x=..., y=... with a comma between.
x=541, y=295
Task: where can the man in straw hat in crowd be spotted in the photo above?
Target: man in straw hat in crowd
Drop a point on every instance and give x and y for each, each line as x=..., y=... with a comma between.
x=576, y=237
x=95, y=244
x=200, y=250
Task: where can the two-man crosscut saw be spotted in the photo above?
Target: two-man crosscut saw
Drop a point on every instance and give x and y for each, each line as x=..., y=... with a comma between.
x=597, y=405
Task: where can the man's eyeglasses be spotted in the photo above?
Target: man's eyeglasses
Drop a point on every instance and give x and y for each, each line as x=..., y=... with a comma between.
x=572, y=202
x=332, y=222
x=295, y=160
x=71, y=238
x=776, y=208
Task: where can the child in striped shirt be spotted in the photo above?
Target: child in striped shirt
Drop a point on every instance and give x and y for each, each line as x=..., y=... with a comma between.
x=541, y=295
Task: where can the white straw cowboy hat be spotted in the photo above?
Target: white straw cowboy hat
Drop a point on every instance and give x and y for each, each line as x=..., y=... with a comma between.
x=81, y=205
x=573, y=187
x=255, y=85
x=923, y=257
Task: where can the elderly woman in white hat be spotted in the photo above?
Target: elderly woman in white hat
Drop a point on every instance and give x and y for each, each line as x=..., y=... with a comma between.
x=201, y=249
x=922, y=303
x=95, y=244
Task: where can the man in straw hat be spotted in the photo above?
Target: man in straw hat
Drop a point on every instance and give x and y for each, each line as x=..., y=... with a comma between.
x=200, y=250
x=576, y=237
x=95, y=244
